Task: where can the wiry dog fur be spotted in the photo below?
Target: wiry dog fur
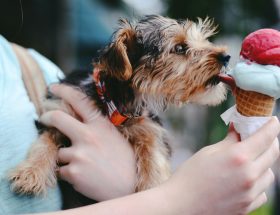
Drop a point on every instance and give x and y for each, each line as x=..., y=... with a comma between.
x=148, y=65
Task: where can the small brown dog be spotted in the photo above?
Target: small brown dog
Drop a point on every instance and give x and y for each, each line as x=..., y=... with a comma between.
x=149, y=65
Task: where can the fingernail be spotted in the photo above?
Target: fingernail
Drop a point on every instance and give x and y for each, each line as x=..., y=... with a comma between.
x=53, y=87
x=51, y=90
x=275, y=118
x=231, y=126
x=45, y=119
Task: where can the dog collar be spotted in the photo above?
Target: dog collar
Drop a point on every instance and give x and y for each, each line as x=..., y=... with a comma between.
x=112, y=111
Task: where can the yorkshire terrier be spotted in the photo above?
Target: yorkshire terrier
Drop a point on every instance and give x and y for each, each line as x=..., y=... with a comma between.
x=149, y=65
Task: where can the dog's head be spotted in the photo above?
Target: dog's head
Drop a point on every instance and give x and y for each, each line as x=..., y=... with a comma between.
x=167, y=61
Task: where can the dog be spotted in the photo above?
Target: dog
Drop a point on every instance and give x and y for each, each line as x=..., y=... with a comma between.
x=149, y=65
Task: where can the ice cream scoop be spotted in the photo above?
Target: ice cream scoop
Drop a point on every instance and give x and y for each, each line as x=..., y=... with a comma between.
x=262, y=46
x=259, y=78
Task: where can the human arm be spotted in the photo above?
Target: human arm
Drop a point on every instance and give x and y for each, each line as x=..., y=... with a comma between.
x=229, y=177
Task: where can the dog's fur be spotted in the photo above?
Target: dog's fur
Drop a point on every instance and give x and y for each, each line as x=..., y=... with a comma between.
x=148, y=66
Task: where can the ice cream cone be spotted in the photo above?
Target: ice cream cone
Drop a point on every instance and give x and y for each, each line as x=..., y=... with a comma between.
x=254, y=81
x=249, y=103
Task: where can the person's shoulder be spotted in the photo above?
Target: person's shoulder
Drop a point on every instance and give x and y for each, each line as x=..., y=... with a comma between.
x=52, y=73
x=6, y=52
x=3, y=41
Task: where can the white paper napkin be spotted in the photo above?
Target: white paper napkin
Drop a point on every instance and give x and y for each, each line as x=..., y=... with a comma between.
x=244, y=125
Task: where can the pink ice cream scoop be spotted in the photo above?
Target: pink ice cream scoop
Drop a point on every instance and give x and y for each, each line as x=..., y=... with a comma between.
x=262, y=47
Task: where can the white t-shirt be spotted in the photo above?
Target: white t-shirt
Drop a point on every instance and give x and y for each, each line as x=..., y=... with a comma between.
x=17, y=130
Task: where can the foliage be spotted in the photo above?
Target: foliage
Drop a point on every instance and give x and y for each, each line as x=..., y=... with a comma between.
x=264, y=210
x=234, y=17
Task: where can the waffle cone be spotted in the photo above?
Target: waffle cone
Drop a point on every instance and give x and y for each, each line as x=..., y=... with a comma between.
x=249, y=103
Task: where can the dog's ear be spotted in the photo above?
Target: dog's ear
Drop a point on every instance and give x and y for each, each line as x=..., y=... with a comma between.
x=116, y=58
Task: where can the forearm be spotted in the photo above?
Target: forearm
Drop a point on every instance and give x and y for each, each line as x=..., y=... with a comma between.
x=154, y=201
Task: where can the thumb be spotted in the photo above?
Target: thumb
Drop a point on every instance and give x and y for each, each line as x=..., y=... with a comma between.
x=232, y=136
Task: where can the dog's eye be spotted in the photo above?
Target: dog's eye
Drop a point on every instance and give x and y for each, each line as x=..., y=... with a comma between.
x=180, y=49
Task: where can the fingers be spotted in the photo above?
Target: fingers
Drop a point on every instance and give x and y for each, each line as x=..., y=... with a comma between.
x=258, y=202
x=232, y=135
x=78, y=100
x=71, y=174
x=65, y=174
x=268, y=158
x=64, y=155
x=262, y=139
x=258, y=190
x=65, y=123
x=263, y=182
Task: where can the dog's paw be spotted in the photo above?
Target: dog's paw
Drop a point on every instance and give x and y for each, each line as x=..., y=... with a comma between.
x=30, y=180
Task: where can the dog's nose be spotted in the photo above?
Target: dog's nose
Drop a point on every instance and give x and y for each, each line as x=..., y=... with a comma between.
x=223, y=58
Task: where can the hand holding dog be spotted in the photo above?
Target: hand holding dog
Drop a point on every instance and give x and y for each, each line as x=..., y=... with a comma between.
x=100, y=163
x=229, y=177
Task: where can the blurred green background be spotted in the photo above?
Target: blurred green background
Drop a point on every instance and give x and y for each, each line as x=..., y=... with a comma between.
x=70, y=33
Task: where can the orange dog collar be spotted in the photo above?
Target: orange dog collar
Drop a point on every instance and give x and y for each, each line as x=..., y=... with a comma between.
x=112, y=111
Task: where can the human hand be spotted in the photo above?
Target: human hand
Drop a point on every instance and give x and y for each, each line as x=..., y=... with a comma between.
x=229, y=177
x=100, y=164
